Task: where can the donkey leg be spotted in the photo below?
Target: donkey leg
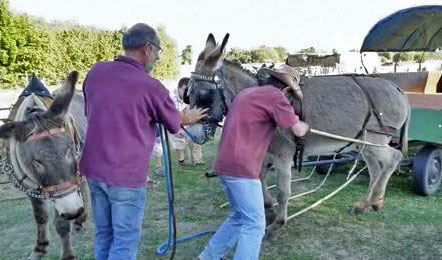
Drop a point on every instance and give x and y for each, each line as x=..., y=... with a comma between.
x=63, y=228
x=381, y=162
x=269, y=201
x=390, y=159
x=283, y=171
x=81, y=220
x=40, y=209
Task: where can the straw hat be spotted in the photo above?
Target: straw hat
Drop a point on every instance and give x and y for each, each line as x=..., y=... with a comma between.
x=289, y=76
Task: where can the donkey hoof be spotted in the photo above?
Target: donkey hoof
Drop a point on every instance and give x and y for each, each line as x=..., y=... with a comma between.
x=69, y=257
x=359, y=208
x=273, y=231
x=271, y=235
x=78, y=227
x=378, y=206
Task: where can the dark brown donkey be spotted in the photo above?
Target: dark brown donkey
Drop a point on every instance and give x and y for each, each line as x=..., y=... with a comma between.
x=43, y=147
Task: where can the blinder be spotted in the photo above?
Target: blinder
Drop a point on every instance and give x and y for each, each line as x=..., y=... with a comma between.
x=186, y=99
x=205, y=97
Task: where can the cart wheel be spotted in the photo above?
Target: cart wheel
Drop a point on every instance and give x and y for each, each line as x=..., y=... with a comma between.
x=323, y=169
x=427, y=170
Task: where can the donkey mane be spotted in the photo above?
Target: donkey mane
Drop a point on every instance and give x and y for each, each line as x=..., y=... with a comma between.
x=238, y=66
x=239, y=77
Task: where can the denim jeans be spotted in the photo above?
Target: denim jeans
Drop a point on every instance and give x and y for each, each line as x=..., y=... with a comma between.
x=245, y=225
x=118, y=213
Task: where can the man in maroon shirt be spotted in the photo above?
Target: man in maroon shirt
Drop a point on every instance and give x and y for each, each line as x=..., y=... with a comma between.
x=123, y=104
x=248, y=130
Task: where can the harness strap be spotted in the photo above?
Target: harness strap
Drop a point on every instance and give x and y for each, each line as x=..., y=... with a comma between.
x=299, y=142
x=364, y=126
x=372, y=109
x=64, y=185
x=371, y=104
x=52, y=131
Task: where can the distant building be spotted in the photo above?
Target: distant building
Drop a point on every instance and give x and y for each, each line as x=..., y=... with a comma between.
x=336, y=63
x=309, y=60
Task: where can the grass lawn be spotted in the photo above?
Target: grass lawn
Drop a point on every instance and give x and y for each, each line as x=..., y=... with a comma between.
x=409, y=227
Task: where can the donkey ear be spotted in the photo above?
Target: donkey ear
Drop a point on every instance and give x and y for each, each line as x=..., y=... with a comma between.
x=10, y=129
x=215, y=55
x=210, y=43
x=224, y=43
x=63, y=97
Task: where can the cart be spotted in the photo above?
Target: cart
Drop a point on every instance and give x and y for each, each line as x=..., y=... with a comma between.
x=412, y=29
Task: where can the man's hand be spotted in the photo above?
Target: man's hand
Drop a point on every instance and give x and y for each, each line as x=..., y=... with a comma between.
x=191, y=116
x=300, y=129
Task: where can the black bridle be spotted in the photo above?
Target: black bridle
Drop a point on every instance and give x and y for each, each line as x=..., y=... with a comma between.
x=217, y=80
x=218, y=83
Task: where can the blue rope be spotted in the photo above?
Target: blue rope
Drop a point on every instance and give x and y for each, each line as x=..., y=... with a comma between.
x=163, y=248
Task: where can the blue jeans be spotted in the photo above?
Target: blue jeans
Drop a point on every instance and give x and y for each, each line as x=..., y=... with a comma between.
x=245, y=226
x=118, y=213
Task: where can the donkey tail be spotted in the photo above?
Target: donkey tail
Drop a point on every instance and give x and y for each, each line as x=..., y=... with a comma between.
x=404, y=134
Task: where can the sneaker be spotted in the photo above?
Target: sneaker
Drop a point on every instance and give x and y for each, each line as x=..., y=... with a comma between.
x=185, y=163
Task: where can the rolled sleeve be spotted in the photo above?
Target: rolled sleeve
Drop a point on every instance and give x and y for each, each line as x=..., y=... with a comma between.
x=283, y=113
x=167, y=114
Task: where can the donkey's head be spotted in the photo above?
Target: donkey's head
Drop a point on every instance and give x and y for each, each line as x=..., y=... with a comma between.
x=46, y=149
x=205, y=89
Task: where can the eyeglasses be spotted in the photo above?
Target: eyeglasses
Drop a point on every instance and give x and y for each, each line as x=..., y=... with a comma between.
x=160, y=50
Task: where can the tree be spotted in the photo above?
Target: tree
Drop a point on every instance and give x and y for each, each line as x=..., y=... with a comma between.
x=265, y=54
x=243, y=56
x=8, y=44
x=400, y=56
x=186, y=55
x=419, y=57
x=29, y=44
x=282, y=53
x=308, y=50
x=385, y=56
x=167, y=67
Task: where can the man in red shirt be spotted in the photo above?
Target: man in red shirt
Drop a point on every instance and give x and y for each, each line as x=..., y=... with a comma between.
x=123, y=105
x=247, y=133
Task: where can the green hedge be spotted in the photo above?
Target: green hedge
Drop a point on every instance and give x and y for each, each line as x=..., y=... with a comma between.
x=29, y=44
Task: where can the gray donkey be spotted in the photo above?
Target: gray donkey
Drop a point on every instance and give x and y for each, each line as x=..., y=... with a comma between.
x=363, y=107
x=47, y=155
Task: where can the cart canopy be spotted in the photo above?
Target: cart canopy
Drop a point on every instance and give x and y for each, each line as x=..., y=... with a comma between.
x=412, y=29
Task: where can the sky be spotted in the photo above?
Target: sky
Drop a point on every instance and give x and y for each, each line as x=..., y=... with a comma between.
x=293, y=24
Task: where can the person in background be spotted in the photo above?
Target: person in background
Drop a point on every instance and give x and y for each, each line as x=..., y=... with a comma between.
x=196, y=155
x=123, y=103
